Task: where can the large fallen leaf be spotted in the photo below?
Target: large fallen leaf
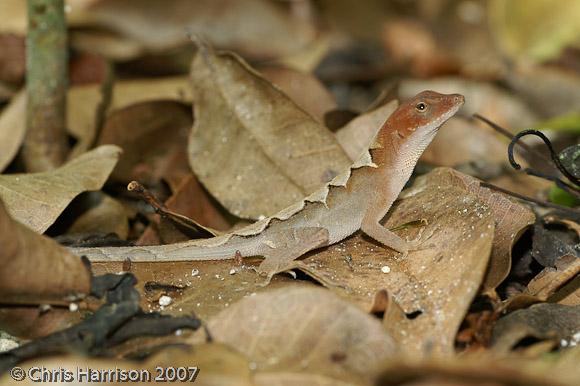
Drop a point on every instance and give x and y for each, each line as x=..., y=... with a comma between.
x=26, y=257
x=511, y=220
x=37, y=199
x=12, y=128
x=433, y=286
x=304, y=328
x=205, y=287
x=253, y=148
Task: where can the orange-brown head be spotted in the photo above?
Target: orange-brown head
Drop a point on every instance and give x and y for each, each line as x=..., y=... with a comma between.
x=424, y=113
x=412, y=127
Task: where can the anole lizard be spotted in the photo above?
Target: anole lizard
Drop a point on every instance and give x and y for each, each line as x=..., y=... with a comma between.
x=355, y=200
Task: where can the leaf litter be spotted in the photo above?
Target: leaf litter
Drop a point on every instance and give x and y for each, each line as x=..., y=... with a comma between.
x=506, y=301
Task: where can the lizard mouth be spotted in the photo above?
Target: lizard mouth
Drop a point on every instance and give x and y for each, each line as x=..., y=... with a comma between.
x=435, y=125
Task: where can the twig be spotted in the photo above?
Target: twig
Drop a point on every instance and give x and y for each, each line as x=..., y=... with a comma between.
x=510, y=136
x=162, y=210
x=553, y=156
x=45, y=145
x=105, y=103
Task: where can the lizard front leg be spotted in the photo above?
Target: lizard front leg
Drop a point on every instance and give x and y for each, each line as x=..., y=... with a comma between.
x=373, y=228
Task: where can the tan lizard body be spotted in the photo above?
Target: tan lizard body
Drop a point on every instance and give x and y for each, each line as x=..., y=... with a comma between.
x=357, y=199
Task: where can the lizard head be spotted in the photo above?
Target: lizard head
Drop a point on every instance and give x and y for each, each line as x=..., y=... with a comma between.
x=424, y=113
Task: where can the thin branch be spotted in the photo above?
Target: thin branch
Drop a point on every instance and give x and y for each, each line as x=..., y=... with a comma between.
x=510, y=136
x=46, y=145
x=553, y=154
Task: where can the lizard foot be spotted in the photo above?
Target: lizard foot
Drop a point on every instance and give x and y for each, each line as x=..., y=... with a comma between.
x=417, y=244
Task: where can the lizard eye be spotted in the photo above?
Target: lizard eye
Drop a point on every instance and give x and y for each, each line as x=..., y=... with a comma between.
x=421, y=107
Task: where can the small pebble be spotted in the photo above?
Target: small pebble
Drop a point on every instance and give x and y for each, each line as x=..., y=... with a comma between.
x=165, y=300
x=385, y=269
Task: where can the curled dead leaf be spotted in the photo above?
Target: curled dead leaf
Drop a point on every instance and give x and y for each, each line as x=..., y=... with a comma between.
x=26, y=257
x=246, y=131
x=151, y=134
x=511, y=220
x=37, y=199
x=281, y=329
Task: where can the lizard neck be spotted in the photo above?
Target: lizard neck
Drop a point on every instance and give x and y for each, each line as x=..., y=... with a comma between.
x=396, y=154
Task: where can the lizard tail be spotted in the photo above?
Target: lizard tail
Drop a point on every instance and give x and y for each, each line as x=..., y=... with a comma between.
x=173, y=252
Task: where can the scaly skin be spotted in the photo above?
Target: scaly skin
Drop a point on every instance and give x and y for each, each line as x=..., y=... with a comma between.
x=357, y=199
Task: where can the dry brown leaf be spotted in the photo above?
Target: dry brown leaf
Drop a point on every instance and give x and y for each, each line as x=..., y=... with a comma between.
x=305, y=89
x=253, y=148
x=26, y=257
x=150, y=134
x=413, y=47
x=12, y=129
x=433, y=286
x=174, y=20
x=356, y=136
x=511, y=220
x=547, y=321
x=570, y=294
x=189, y=200
x=12, y=61
x=37, y=199
x=304, y=329
x=204, y=287
x=83, y=102
x=106, y=216
x=31, y=322
x=549, y=280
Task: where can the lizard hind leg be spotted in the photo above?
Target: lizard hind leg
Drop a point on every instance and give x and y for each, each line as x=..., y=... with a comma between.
x=287, y=245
